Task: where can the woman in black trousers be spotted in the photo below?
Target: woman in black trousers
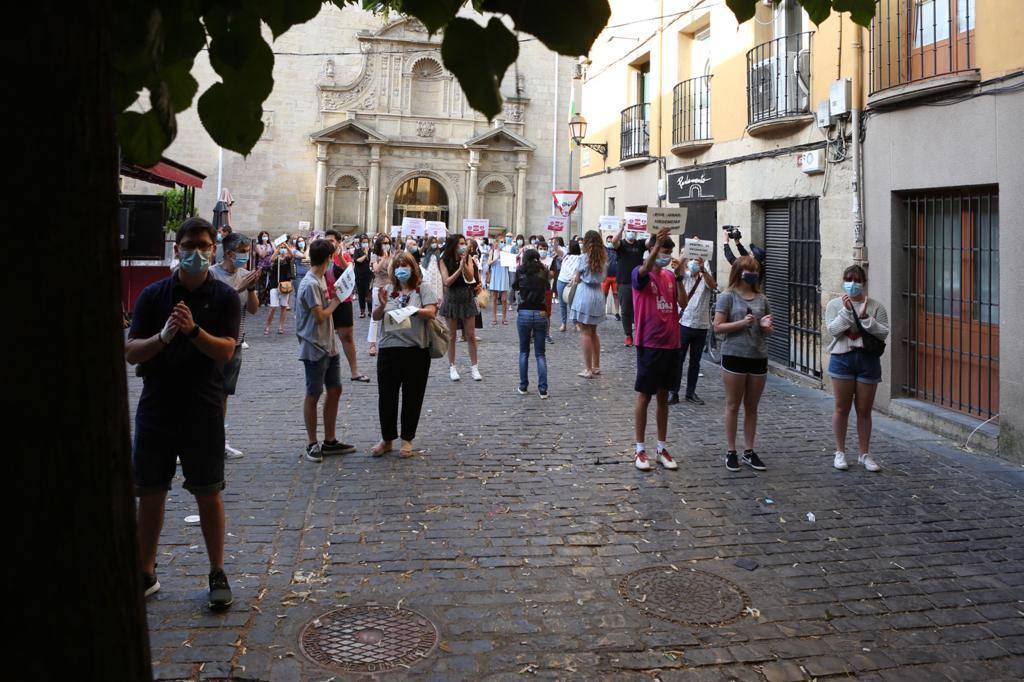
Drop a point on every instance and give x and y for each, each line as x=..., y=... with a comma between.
x=403, y=356
x=361, y=259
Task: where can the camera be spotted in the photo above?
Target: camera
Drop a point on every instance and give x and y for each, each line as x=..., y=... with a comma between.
x=733, y=232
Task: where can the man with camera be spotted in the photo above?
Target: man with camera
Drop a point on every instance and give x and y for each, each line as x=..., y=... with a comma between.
x=733, y=232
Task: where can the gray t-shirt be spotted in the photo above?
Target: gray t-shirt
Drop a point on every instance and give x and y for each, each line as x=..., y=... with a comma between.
x=315, y=339
x=751, y=341
x=234, y=280
x=413, y=336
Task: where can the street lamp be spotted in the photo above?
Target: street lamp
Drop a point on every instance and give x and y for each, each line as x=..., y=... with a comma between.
x=578, y=130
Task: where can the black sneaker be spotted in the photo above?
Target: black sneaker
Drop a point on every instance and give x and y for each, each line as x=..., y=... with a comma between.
x=618, y=318
x=695, y=399
x=313, y=453
x=673, y=398
x=732, y=462
x=751, y=459
x=220, y=591
x=150, y=584
x=335, y=447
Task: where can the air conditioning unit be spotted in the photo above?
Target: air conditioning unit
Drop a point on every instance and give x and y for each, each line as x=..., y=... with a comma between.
x=810, y=162
x=763, y=89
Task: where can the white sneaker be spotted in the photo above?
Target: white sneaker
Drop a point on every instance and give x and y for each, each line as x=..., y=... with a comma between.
x=244, y=345
x=476, y=374
x=520, y=390
x=840, y=461
x=869, y=463
x=641, y=462
x=453, y=373
x=665, y=460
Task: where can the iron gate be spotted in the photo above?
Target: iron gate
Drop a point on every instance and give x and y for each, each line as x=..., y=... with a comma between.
x=792, y=283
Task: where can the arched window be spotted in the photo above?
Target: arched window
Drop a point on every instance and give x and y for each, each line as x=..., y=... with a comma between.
x=427, y=89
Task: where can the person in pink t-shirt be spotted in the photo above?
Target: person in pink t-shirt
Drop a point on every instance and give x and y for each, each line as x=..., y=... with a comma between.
x=657, y=299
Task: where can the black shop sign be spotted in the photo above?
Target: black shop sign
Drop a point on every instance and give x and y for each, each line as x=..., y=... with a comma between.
x=706, y=184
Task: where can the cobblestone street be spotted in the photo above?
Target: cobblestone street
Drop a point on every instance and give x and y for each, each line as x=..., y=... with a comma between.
x=515, y=528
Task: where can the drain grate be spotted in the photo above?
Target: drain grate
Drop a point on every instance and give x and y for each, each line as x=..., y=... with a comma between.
x=689, y=597
x=368, y=639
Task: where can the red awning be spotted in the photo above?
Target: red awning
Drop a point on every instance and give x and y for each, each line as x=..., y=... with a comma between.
x=166, y=173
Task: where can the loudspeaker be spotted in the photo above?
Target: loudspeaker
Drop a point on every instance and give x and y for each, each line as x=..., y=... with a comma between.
x=141, y=221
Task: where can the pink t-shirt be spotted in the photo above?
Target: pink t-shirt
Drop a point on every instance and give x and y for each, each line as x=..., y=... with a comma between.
x=655, y=309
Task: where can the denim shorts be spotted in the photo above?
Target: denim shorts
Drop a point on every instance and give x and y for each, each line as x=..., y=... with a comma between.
x=856, y=365
x=323, y=372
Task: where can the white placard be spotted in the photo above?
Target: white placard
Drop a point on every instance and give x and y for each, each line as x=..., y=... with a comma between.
x=508, y=260
x=475, y=227
x=303, y=225
x=609, y=223
x=396, y=230
x=280, y=240
x=672, y=219
x=399, y=318
x=556, y=224
x=635, y=222
x=698, y=248
x=436, y=228
x=344, y=285
x=414, y=227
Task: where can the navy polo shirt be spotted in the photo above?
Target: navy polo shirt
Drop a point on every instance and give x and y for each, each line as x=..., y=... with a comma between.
x=181, y=381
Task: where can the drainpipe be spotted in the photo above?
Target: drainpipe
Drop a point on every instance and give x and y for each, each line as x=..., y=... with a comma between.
x=661, y=62
x=860, y=255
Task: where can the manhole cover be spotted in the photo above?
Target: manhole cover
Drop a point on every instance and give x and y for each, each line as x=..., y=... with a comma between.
x=368, y=639
x=688, y=596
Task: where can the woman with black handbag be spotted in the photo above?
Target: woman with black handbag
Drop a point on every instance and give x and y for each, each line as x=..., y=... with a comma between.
x=282, y=277
x=859, y=326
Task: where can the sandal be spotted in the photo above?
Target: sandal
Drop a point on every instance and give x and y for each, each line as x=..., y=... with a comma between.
x=381, y=449
x=406, y=452
x=280, y=331
x=373, y=350
x=596, y=371
x=266, y=331
x=586, y=374
x=361, y=378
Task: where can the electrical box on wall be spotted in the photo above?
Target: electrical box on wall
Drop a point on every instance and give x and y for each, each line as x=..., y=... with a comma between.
x=662, y=188
x=810, y=162
x=824, y=119
x=839, y=97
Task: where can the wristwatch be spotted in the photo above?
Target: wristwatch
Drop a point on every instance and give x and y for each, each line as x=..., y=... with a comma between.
x=194, y=333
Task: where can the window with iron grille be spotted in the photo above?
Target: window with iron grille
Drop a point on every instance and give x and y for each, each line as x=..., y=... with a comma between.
x=952, y=299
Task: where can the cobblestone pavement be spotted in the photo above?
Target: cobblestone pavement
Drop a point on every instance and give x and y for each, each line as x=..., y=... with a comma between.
x=513, y=531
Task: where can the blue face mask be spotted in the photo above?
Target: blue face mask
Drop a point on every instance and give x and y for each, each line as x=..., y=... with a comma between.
x=241, y=260
x=750, y=278
x=694, y=267
x=461, y=250
x=853, y=288
x=543, y=253
x=403, y=274
x=194, y=262
x=663, y=261
x=220, y=237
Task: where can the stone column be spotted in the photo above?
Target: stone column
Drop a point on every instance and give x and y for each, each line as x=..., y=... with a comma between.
x=321, y=182
x=521, y=197
x=373, y=192
x=471, y=193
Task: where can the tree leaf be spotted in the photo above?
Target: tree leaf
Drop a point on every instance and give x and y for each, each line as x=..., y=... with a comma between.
x=479, y=57
x=181, y=86
x=743, y=9
x=434, y=14
x=233, y=119
x=568, y=27
x=281, y=15
x=142, y=138
x=817, y=10
x=861, y=11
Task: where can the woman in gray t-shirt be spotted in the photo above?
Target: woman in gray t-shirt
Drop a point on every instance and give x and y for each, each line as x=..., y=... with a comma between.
x=744, y=317
x=403, y=359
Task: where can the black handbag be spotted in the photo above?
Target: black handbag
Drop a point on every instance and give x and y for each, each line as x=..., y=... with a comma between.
x=873, y=345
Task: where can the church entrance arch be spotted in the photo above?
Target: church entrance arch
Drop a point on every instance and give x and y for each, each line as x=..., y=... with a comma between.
x=420, y=197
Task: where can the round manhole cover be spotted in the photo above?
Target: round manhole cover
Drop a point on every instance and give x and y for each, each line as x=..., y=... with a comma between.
x=368, y=639
x=689, y=596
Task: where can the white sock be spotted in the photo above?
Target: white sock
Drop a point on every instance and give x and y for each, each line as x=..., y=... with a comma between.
x=661, y=446
x=640, y=447
x=476, y=368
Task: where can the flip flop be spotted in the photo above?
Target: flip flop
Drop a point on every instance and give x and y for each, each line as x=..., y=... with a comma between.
x=266, y=332
x=377, y=452
x=361, y=378
x=406, y=452
x=280, y=331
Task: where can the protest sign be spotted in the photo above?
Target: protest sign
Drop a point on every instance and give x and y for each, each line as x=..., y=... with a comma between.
x=609, y=223
x=698, y=248
x=280, y=240
x=507, y=260
x=635, y=222
x=414, y=227
x=475, y=227
x=346, y=283
x=556, y=223
x=395, y=231
x=673, y=219
x=436, y=228
x=303, y=226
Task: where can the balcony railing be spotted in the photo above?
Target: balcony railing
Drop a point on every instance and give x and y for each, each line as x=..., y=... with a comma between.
x=634, y=137
x=779, y=78
x=691, y=110
x=912, y=40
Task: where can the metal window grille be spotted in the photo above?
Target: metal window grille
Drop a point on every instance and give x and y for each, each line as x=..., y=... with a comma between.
x=779, y=78
x=691, y=110
x=952, y=299
x=912, y=40
x=634, y=136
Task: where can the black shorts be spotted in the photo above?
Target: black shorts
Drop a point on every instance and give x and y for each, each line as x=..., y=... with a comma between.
x=343, y=315
x=656, y=369
x=734, y=364
x=231, y=370
x=197, y=441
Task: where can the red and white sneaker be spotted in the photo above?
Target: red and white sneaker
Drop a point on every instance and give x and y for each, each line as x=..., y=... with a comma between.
x=665, y=460
x=629, y=342
x=641, y=461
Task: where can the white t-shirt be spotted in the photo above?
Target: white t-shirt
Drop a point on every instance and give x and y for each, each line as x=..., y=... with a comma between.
x=697, y=314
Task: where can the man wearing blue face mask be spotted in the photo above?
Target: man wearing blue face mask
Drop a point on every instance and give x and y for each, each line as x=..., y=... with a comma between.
x=183, y=332
x=232, y=271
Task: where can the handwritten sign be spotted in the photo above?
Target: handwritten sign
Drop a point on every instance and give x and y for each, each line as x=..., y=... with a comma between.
x=436, y=228
x=475, y=227
x=556, y=223
x=698, y=248
x=414, y=227
x=635, y=222
x=609, y=223
x=346, y=283
x=395, y=231
x=303, y=225
x=658, y=219
x=280, y=240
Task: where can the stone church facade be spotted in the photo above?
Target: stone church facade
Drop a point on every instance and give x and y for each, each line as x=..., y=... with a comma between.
x=365, y=126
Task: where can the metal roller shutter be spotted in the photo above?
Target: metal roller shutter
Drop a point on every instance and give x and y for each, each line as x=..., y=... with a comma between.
x=776, y=280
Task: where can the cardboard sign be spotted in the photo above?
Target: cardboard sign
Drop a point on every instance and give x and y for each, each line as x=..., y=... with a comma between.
x=698, y=248
x=635, y=222
x=659, y=219
x=436, y=228
x=475, y=227
x=280, y=240
x=396, y=230
x=609, y=223
x=414, y=227
x=556, y=224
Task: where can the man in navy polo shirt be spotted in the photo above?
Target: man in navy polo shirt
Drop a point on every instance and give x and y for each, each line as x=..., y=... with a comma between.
x=183, y=332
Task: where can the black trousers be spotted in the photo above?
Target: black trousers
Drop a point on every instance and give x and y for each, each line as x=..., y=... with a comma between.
x=691, y=342
x=626, y=308
x=363, y=293
x=402, y=370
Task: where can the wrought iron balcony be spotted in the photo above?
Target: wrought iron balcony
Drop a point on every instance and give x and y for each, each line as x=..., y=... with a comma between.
x=634, y=137
x=691, y=111
x=779, y=78
x=917, y=40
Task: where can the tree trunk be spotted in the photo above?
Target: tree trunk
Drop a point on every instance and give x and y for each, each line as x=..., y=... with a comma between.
x=77, y=559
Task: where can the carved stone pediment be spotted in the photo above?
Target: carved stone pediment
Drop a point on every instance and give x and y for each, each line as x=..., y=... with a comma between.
x=348, y=132
x=500, y=139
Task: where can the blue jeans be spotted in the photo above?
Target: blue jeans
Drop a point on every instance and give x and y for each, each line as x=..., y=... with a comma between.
x=562, y=305
x=532, y=323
